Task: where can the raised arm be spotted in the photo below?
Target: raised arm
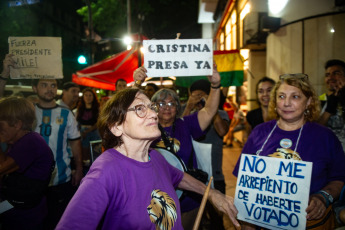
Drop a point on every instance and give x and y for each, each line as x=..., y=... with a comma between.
x=206, y=114
x=8, y=61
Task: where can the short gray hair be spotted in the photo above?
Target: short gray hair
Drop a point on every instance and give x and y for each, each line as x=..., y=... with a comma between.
x=163, y=94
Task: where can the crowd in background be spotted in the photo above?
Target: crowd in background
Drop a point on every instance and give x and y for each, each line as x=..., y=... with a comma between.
x=206, y=117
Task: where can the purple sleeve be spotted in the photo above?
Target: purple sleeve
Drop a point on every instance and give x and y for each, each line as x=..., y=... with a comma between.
x=192, y=123
x=23, y=153
x=90, y=200
x=33, y=156
x=176, y=174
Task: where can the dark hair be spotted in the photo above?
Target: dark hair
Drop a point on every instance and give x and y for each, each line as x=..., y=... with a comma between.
x=334, y=62
x=264, y=79
x=113, y=113
x=202, y=84
x=156, y=88
x=34, y=82
x=82, y=106
x=14, y=109
x=118, y=80
x=68, y=85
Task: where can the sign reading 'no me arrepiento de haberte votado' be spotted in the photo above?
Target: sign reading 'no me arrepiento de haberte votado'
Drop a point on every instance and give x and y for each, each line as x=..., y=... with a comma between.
x=178, y=57
x=272, y=192
x=36, y=57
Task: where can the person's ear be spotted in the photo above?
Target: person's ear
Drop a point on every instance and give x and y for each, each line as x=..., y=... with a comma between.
x=117, y=130
x=308, y=102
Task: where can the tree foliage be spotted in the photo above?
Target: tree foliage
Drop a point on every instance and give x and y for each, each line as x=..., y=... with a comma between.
x=162, y=18
x=110, y=16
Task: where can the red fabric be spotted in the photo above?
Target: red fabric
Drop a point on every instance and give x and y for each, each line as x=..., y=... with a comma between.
x=104, y=74
x=218, y=52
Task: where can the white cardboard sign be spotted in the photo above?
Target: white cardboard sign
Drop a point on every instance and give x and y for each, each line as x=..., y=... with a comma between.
x=178, y=57
x=272, y=192
x=36, y=57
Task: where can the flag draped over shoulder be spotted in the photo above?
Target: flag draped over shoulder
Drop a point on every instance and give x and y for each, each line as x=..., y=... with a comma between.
x=229, y=65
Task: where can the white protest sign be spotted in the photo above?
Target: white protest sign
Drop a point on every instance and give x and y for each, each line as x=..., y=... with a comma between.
x=178, y=57
x=36, y=57
x=272, y=192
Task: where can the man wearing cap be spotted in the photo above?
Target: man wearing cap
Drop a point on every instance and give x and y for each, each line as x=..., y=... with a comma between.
x=58, y=126
x=70, y=95
x=199, y=92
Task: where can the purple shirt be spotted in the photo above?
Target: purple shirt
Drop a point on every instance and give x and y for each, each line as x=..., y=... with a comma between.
x=34, y=157
x=117, y=191
x=317, y=144
x=186, y=128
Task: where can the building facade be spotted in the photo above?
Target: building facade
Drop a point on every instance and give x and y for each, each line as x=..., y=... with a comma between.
x=277, y=36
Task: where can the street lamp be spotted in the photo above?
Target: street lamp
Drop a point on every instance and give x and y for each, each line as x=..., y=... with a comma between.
x=128, y=41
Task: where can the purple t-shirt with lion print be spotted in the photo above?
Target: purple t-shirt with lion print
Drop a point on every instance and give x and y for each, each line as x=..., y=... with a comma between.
x=122, y=193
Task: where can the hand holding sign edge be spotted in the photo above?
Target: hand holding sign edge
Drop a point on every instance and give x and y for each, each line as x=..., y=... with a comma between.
x=139, y=75
x=215, y=77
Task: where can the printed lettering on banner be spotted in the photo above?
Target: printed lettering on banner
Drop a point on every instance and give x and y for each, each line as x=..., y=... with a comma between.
x=178, y=57
x=273, y=193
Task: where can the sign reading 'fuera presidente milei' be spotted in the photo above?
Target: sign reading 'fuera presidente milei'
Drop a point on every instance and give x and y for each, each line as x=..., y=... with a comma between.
x=178, y=57
x=272, y=192
x=36, y=57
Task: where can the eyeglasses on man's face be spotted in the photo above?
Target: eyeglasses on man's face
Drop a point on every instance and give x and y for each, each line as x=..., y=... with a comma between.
x=141, y=110
x=163, y=104
x=300, y=76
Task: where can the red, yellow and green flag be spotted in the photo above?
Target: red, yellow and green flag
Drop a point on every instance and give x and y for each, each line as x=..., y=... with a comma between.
x=229, y=65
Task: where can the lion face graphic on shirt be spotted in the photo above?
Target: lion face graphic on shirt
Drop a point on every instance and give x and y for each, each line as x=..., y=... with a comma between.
x=285, y=154
x=162, y=210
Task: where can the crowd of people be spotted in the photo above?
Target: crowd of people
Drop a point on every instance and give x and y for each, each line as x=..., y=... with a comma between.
x=131, y=185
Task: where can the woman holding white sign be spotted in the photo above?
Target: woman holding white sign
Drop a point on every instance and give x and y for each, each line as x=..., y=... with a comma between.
x=293, y=134
x=177, y=133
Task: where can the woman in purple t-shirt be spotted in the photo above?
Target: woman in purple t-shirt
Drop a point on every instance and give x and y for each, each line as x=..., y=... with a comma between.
x=131, y=186
x=25, y=167
x=293, y=135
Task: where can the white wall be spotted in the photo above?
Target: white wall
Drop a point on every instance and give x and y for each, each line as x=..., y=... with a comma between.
x=207, y=30
x=299, y=9
x=305, y=46
x=257, y=68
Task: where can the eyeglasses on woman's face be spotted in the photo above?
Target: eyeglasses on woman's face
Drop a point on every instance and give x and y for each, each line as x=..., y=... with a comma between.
x=141, y=110
x=163, y=104
x=300, y=76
